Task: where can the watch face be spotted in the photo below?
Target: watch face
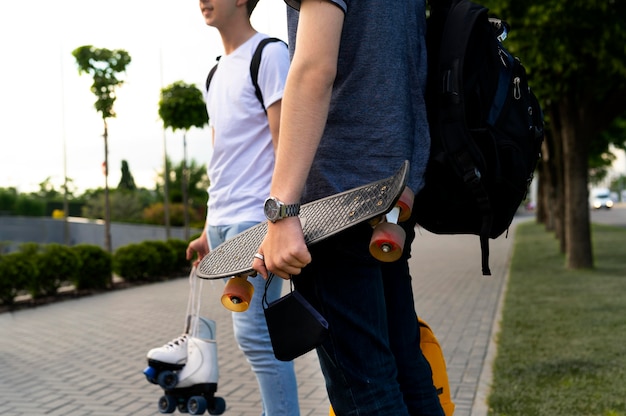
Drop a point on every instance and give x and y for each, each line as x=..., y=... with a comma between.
x=272, y=210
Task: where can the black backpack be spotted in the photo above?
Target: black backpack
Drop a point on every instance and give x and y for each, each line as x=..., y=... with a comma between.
x=486, y=126
x=255, y=63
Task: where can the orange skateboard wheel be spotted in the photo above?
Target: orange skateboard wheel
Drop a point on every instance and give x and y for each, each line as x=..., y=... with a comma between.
x=237, y=294
x=405, y=203
x=387, y=242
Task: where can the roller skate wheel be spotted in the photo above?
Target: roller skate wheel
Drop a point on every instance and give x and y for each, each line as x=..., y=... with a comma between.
x=237, y=294
x=219, y=406
x=387, y=242
x=167, y=379
x=196, y=405
x=167, y=404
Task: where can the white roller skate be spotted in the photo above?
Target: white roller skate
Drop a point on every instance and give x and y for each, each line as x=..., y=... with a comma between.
x=174, y=353
x=197, y=381
x=186, y=368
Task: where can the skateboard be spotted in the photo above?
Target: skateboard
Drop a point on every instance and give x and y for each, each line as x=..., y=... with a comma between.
x=383, y=203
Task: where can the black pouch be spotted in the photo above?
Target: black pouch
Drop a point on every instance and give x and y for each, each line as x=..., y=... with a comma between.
x=295, y=327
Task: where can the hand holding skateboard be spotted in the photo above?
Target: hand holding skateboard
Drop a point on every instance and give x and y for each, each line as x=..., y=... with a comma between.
x=383, y=204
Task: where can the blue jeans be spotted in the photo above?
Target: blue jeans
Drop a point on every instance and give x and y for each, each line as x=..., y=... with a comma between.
x=277, y=379
x=372, y=361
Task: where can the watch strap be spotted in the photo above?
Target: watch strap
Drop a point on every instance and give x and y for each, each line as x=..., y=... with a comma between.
x=291, y=210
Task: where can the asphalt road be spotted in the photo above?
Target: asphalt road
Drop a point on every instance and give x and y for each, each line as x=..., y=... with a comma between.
x=615, y=216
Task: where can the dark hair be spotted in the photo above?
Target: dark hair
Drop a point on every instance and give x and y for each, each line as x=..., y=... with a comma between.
x=250, y=6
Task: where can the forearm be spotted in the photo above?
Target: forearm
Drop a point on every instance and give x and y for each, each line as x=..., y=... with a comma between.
x=304, y=113
x=307, y=96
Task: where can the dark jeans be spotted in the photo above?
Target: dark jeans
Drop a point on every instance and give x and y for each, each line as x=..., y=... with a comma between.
x=372, y=361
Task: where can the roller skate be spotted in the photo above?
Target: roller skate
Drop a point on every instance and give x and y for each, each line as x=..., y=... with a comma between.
x=186, y=367
x=165, y=361
x=197, y=382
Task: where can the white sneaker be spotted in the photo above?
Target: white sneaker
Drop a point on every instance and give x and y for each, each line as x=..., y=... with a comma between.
x=174, y=352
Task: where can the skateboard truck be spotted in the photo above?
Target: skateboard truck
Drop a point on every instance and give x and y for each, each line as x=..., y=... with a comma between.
x=388, y=237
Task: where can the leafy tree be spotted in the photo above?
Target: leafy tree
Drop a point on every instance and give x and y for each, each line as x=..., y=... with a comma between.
x=30, y=206
x=182, y=107
x=197, y=196
x=48, y=191
x=103, y=65
x=197, y=179
x=154, y=215
x=8, y=197
x=127, y=182
x=124, y=206
x=574, y=52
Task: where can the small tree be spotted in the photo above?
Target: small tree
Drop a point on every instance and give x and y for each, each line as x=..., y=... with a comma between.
x=182, y=107
x=127, y=182
x=103, y=65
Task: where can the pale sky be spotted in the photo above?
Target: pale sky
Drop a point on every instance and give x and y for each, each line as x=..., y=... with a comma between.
x=44, y=103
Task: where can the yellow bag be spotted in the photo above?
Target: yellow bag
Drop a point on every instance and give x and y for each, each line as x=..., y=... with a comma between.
x=433, y=353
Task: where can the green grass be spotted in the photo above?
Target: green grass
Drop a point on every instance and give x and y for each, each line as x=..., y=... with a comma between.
x=562, y=345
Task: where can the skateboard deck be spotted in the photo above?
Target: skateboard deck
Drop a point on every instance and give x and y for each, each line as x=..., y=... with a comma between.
x=320, y=219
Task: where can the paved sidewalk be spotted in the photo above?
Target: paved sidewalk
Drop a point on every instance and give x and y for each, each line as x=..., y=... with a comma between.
x=86, y=356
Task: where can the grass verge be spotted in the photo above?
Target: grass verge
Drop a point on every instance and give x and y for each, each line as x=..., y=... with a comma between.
x=562, y=344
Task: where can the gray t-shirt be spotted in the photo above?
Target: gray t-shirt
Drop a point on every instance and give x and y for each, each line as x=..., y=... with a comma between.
x=377, y=117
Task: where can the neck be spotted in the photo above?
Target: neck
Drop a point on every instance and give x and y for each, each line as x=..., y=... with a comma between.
x=236, y=35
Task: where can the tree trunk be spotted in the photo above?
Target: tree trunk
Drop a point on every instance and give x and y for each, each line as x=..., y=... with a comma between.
x=559, y=198
x=166, y=190
x=575, y=132
x=185, y=182
x=542, y=213
x=107, y=202
x=552, y=178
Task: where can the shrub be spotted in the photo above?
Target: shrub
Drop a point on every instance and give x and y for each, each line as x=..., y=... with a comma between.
x=167, y=258
x=154, y=214
x=30, y=281
x=95, y=267
x=14, y=267
x=57, y=264
x=136, y=262
x=179, y=247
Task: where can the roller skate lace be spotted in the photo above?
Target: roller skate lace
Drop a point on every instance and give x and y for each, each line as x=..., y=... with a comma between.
x=176, y=343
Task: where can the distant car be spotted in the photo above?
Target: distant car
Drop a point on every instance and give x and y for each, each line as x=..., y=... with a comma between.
x=601, y=199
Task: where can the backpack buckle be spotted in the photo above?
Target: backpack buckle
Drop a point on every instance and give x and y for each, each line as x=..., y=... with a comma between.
x=472, y=176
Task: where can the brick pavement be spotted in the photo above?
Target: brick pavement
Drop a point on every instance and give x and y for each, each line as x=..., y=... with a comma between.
x=85, y=356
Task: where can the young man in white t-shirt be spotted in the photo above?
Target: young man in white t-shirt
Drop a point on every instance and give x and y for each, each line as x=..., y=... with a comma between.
x=244, y=136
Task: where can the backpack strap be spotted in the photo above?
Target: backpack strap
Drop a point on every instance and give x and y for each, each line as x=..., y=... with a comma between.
x=255, y=64
x=461, y=19
x=210, y=75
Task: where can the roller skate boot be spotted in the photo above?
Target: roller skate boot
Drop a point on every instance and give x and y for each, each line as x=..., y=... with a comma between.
x=197, y=381
x=165, y=361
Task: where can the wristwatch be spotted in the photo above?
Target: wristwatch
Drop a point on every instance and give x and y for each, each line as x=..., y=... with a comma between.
x=276, y=210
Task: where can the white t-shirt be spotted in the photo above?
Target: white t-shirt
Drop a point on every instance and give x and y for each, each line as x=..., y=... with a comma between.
x=242, y=159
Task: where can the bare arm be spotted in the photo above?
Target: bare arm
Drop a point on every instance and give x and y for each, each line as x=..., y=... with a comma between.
x=307, y=96
x=304, y=112
x=273, y=117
